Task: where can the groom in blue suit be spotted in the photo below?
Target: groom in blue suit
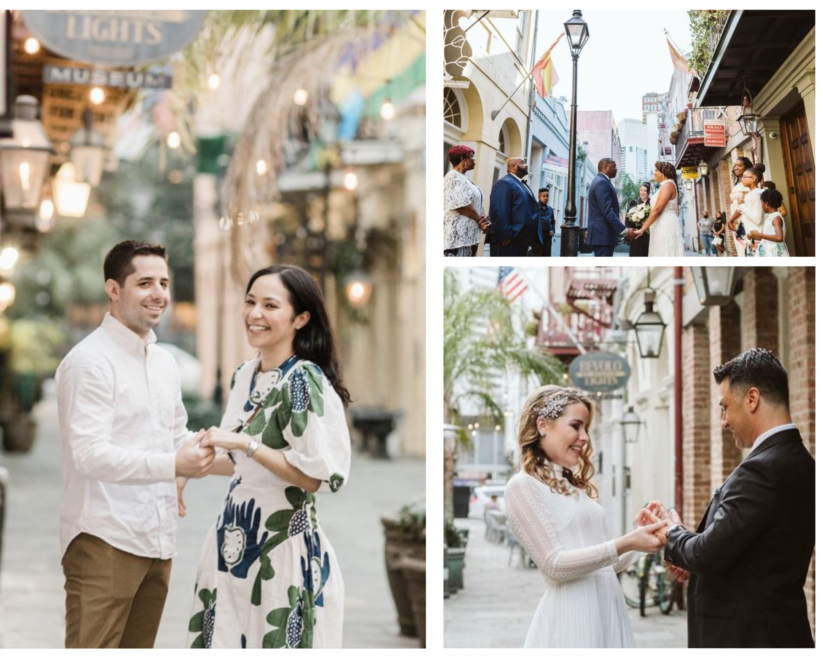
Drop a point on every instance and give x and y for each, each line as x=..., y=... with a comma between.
x=605, y=227
x=514, y=213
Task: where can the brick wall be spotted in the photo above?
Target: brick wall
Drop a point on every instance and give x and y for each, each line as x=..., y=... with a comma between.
x=714, y=184
x=697, y=486
x=724, y=344
x=759, y=314
x=725, y=185
x=801, y=367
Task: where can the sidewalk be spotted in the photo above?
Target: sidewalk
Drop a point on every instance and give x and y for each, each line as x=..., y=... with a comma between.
x=556, y=251
x=497, y=604
x=32, y=604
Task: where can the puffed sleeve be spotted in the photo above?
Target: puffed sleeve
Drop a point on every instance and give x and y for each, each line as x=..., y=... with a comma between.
x=538, y=525
x=316, y=430
x=458, y=192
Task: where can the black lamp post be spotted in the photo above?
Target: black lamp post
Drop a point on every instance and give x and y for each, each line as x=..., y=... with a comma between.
x=577, y=32
x=649, y=329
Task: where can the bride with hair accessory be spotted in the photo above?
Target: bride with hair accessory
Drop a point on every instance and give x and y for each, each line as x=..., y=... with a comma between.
x=553, y=511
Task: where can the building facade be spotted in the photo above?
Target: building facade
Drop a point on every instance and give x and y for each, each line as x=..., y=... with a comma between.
x=634, y=150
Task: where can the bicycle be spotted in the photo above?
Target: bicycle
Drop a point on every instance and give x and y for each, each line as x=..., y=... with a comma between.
x=646, y=584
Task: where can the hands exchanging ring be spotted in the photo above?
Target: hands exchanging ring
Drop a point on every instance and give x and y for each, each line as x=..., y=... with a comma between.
x=655, y=512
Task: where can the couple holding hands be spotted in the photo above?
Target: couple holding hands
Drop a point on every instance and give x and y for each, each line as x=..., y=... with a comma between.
x=747, y=561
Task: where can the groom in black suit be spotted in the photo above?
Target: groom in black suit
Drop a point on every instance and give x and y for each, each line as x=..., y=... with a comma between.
x=513, y=211
x=750, y=555
x=605, y=227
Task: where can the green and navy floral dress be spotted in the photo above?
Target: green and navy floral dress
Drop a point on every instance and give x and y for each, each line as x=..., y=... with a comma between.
x=268, y=577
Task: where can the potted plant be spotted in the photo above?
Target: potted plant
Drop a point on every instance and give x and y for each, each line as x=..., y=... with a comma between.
x=405, y=538
x=414, y=573
x=456, y=556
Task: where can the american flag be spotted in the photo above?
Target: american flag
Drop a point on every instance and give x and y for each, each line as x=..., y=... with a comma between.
x=510, y=284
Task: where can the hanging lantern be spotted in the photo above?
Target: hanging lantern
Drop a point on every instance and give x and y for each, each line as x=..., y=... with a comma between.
x=649, y=329
x=359, y=288
x=88, y=151
x=24, y=158
x=70, y=196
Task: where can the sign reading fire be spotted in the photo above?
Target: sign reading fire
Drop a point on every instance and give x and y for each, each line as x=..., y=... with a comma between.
x=114, y=37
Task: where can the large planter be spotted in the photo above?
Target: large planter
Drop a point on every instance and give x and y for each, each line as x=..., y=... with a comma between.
x=18, y=433
x=414, y=572
x=399, y=546
x=456, y=562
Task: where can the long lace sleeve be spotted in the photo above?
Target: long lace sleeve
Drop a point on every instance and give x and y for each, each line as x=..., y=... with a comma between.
x=457, y=191
x=537, y=524
x=625, y=560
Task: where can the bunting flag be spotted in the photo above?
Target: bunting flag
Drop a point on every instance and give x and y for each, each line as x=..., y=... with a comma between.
x=679, y=61
x=544, y=74
x=510, y=284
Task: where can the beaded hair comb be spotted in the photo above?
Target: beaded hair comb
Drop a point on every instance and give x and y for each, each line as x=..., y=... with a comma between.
x=552, y=408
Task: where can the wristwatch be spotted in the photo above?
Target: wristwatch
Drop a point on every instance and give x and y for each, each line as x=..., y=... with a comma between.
x=666, y=531
x=252, y=448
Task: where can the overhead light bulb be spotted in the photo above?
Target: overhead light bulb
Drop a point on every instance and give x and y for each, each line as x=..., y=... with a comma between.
x=31, y=46
x=173, y=140
x=387, y=110
x=97, y=95
x=350, y=181
x=262, y=168
x=8, y=258
x=301, y=97
x=214, y=81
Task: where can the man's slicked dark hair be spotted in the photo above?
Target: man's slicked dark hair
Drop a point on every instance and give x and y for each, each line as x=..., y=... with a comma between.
x=757, y=368
x=118, y=263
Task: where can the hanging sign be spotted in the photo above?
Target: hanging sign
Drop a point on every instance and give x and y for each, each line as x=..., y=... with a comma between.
x=714, y=132
x=114, y=37
x=91, y=77
x=689, y=173
x=600, y=372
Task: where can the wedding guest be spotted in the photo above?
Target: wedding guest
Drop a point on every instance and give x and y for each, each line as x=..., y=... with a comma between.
x=124, y=440
x=719, y=230
x=547, y=225
x=772, y=239
x=463, y=220
x=737, y=195
x=749, y=214
x=639, y=247
x=767, y=184
x=513, y=211
x=706, y=233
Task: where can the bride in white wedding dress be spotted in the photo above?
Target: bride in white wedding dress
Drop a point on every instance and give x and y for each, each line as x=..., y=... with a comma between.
x=663, y=224
x=551, y=506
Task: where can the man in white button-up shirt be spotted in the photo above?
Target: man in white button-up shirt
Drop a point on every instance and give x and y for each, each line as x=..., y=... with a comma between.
x=124, y=440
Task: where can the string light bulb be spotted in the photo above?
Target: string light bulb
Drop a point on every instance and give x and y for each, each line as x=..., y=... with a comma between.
x=173, y=140
x=301, y=97
x=214, y=81
x=97, y=95
x=350, y=180
x=262, y=168
x=387, y=110
x=31, y=46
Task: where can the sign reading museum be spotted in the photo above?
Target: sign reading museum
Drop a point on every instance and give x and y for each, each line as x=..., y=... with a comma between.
x=114, y=38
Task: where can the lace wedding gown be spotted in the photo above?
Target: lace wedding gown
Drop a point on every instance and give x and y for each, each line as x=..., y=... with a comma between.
x=666, y=236
x=565, y=536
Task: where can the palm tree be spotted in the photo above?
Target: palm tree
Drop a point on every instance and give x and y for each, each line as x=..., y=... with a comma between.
x=480, y=336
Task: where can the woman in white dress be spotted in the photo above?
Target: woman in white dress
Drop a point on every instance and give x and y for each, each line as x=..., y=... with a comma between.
x=268, y=576
x=734, y=247
x=552, y=509
x=666, y=238
x=463, y=219
x=750, y=212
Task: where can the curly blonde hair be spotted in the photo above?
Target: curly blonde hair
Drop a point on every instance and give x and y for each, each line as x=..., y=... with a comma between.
x=535, y=461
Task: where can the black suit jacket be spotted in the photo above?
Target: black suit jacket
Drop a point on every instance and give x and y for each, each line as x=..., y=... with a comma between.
x=751, y=552
x=513, y=212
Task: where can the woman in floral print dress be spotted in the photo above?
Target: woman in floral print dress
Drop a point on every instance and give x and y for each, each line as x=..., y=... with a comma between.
x=267, y=576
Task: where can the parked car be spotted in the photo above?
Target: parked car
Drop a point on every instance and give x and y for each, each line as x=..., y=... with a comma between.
x=482, y=495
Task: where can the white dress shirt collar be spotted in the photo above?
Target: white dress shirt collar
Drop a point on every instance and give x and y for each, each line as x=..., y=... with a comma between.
x=772, y=432
x=125, y=337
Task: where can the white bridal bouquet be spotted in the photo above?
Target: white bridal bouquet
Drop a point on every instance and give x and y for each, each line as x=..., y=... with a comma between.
x=637, y=215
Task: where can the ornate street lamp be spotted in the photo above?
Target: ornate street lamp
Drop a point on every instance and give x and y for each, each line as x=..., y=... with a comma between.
x=577, y=32
x=748, y=124
x=703, y=169
x=88, y=151
x=714, y=285
x=24, y=159
x=649, y=329
x=630, y=425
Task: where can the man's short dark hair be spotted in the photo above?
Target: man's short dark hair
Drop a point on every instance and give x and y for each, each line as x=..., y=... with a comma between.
x=605, y=162
x=757, y=368
x=118, y=263
x=541, y=190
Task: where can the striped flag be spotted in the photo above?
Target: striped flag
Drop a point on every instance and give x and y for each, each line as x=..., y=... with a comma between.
x=510, y=283
x=544, y=74
x=679, y=61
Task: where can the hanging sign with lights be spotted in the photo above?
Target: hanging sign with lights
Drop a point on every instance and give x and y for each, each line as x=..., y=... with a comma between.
x=600, y=372
x=114, y=37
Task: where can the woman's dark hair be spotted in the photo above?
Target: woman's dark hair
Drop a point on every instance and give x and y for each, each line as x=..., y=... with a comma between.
x=118, y=262
x=648, y=188
x=722, y=217
x=758, y=170
x=667, y=169
x=746, y=163
x=772, y=198
x=313, y=342
x=756, y=368
x=769, y=185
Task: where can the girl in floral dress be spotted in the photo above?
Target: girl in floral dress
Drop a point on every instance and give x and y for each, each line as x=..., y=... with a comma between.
x=772, y=239
x=267, y=576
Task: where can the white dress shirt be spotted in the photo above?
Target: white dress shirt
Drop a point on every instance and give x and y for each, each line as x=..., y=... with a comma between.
x=122, y=420
x=771, y=432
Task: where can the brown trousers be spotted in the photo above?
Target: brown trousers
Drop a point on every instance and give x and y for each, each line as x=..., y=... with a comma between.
x=113, y=599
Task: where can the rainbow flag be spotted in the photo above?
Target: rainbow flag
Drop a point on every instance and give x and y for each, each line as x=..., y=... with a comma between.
x=544, y=74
